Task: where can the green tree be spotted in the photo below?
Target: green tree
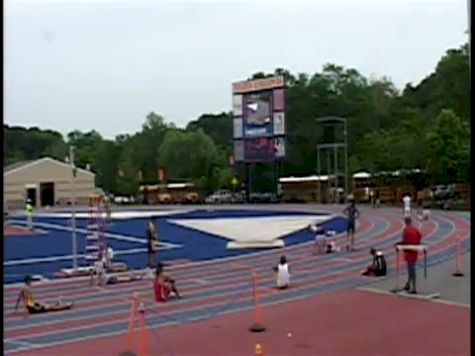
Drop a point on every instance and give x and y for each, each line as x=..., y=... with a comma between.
x=107, y=165
x=31, y=143
x=449, y=148
x=86, y=146
x=189, y=155
x=219, y=127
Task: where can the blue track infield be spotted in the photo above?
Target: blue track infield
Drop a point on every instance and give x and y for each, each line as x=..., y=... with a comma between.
x=48, y=253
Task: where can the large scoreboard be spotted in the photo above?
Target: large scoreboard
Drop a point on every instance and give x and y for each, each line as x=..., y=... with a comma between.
x=259, y=120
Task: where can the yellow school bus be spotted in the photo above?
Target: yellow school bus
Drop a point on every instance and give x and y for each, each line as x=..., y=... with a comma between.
x=171, y=193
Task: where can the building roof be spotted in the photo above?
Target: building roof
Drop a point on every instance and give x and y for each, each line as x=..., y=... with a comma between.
x=15, y=167
x=313, y=178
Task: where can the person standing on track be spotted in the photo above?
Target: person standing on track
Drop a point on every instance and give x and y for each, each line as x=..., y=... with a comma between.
x=411, y=236
x=352, y=214
x=406, y=200
x=152, y=242
x=29, y=214
x=378, y=201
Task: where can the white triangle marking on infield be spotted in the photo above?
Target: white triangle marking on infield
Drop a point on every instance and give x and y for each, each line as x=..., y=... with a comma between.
x=253, y=231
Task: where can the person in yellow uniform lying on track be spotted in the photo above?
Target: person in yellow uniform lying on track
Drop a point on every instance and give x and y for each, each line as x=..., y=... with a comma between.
x=33, y=306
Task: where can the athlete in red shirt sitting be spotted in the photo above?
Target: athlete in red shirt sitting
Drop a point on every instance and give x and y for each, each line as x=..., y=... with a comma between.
x=411, y=236
x=163, y=286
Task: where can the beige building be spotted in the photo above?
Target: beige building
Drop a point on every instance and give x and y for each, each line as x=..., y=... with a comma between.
x=47, y=182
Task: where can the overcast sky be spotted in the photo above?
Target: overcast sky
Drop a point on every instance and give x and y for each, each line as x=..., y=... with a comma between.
x=103, y=65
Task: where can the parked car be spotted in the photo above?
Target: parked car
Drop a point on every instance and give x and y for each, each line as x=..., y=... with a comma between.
x=124, y=200
x=238, y=197
x=263, y=198
x=219, y=197
x=444, y=195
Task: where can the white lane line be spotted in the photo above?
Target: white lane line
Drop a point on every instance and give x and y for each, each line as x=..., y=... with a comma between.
x=449, y=302
x=28, y=261
x=84, y=231
x=22, y=343
x=199, y=281
x=106, y=234
x=433, y=297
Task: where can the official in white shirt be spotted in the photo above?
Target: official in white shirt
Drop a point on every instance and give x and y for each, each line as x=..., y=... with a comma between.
x=407, y=205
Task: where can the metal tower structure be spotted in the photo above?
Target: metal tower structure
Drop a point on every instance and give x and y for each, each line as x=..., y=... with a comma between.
x=334, y=140
x=95, y=239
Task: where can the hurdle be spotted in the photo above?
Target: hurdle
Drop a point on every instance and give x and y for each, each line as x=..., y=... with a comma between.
x=419, y=248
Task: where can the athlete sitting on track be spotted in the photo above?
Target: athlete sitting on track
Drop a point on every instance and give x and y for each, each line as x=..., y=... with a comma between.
x=163, y=285
x=113, y=266
x=323, y=240
x=378, y=267
x=319, y=245
x=422, y=214
x=103, y=278
x=34, y=307
x=282, y=271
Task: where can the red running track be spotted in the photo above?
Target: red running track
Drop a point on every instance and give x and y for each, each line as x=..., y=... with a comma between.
x=231, y=274
x=343, y=323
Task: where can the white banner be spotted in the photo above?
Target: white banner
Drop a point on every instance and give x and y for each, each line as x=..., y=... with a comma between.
x=279, y=123
x=237, y=127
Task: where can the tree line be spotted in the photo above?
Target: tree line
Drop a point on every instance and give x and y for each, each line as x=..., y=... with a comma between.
x=425, y=126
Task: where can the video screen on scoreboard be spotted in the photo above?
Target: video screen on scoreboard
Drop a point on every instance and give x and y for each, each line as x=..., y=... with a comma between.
x=258, y=114
x=259, y=149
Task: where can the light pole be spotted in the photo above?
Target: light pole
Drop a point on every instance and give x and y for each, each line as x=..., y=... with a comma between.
x=73, y=206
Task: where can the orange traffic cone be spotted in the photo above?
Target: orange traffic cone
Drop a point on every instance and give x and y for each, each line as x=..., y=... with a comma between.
x=257, y=326
x=131, y=331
